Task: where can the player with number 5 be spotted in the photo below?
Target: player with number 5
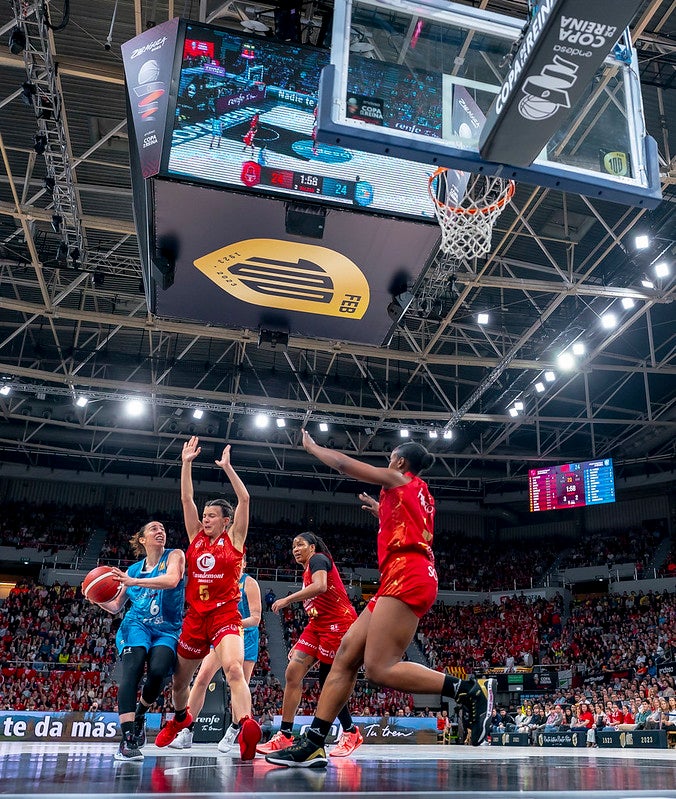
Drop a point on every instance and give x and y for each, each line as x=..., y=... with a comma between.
x=213, y=565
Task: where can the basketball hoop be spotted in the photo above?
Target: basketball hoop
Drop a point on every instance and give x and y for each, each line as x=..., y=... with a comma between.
x=467, y=221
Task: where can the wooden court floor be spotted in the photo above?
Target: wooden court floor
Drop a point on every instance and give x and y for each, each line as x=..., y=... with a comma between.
x=87, y=770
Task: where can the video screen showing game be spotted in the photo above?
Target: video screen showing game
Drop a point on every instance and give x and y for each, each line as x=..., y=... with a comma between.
x=245, y=117
x=572, y=485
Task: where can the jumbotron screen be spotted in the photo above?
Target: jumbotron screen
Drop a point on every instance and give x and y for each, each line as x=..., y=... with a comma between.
x=245, y=118
x=572, y=485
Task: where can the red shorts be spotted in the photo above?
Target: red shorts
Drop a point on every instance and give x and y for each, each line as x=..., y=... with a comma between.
x=412, y=581
x=321, y=642
x=202, y=631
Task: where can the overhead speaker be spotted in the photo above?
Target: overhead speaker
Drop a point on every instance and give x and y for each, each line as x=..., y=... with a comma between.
x=305, y=220
x=164, y=261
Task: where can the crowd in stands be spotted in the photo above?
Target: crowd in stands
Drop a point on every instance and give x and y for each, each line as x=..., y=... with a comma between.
x=611, y=547
x=49, y=526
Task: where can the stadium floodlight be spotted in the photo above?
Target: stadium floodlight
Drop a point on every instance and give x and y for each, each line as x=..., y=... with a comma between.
x=579, y=348
x=662, y=269
x=280, y=422
x=323, y=427
x=81, y=401
x=403, y=433
x=448, y=435
x=539, y=387
x=513, y=412
x=5, y=390
x=261, y=421
x=566, y=361
x=550, y=376
x=647, y=283
x=197, y=413
x=608, y=321
x=432, y=434
x=135, y=407
x=627, y=303
x=483, y=318
x=518, y=405
x=642, y=241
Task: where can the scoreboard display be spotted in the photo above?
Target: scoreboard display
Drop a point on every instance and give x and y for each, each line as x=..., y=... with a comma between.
x=573, y=485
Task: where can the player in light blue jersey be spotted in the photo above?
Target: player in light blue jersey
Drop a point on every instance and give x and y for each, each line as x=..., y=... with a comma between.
x=148, y=634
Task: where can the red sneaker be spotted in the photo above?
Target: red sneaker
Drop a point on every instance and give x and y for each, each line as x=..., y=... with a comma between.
x=249, y=736
x=349, y=741
x=277, y=742
x=171, y=729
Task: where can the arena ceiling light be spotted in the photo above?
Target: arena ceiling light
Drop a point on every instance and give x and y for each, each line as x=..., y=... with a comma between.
x=513, y=412
x=579, y=348
x=323, y=427
x=403, y=433
x=608, y=321
x=642, y=241
x=518, y=405
x=539, y=387
x=627, y=303
x=81, y=401
x=566, y=361
x=197, y=413
x=448, y=435
x=662, y=269
x=261, y=421
x=5, y=390
x=280, y=422
x=135, y=407
x=483, y=318
x=432, y=434
x=647, y=283
x=550, y=376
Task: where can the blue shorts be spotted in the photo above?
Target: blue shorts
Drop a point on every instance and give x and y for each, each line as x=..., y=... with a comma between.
x=251, y=643
x=134, y=633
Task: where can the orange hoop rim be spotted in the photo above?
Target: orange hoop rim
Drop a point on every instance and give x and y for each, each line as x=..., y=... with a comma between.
x=456, y=209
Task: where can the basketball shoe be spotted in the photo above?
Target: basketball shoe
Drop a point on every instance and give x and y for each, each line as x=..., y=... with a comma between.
x=278, y=741
x=140, y=731
x=228, y=741
x=304, y=753
x=478, y=699
x=348, y=742
x=183, y=740
x=171, y=729
x=128, y=749
x=249, y=736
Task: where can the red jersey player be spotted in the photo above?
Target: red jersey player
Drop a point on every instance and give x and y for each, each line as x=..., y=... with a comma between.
x=380, y=636
x=250, y=135
x=213, y=568
x=330, y=614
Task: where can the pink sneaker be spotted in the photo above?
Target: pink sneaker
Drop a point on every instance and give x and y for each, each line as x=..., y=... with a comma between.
x=349, y=741
x=171, y=729
x=277, y=742
x=249, y=736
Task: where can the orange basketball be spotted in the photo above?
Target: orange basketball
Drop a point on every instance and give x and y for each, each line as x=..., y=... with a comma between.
x=100, y=585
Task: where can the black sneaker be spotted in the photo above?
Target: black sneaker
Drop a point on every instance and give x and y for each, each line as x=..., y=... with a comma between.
x=128, y=749
x=302, y=754
x=140, y=731
x=478, y=699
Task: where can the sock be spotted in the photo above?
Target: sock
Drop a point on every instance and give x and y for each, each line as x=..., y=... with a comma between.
x=345, y=720
x=236, y=726
x=181, y=715
x=287, y=728
x=453, y=687
x=318, y=731
x=141, y=710
x=191, y=727
x=127, y=728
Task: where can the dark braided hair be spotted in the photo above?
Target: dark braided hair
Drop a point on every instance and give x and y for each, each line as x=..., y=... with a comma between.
x=416, y=455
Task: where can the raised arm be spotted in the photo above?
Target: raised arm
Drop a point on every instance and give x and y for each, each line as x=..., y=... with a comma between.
x=387, y=478
x=253, y=597
x=240, y=523
x=191, y=517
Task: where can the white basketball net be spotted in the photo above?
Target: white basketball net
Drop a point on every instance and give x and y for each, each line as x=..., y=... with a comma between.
x=467, y=224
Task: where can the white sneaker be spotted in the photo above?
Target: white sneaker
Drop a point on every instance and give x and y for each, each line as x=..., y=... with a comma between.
x=228, y=741
x=183, y=740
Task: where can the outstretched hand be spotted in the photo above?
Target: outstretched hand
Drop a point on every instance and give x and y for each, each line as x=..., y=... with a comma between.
x=308, y=441
x=191, y=449
x=371, y=505
x=224, y=462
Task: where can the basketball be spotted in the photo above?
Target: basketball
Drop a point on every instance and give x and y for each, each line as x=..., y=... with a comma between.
x=100, y=585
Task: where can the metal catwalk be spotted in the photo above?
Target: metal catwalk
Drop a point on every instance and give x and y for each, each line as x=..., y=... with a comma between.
x=85, y=770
